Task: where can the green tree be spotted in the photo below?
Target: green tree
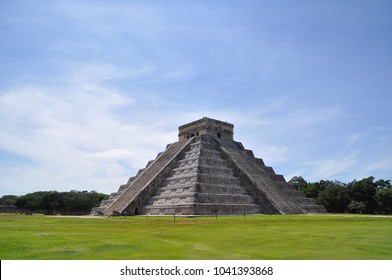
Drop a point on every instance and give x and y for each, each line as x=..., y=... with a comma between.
x=53, y=202
x=384, y=200
x=30, y=201
x=382, y=184
x=313, y=189
x=9, y=200
x=298, y=182
x=364, y=191
x=335, y=199
x=356, y=207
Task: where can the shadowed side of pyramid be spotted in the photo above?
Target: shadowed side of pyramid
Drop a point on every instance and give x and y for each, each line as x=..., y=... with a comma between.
x=207, y=173
x=262, y=181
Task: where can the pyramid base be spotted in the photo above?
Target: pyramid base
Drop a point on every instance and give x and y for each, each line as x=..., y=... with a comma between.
x=201, y=209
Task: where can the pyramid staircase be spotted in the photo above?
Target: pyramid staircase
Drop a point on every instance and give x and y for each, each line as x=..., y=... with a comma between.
x=201, y=184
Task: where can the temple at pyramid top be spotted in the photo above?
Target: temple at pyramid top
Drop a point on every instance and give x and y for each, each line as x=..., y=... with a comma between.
x=206, y=172
x=206, y=126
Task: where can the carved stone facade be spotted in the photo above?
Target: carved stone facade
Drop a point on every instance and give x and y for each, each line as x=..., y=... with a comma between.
x=207, y=173
x=206, y=126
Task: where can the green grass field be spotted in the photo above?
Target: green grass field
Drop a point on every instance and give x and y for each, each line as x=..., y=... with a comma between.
x=303, y=237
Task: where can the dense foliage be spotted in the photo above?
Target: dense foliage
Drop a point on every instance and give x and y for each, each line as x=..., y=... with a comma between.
x=53, y=202
x=364, y=196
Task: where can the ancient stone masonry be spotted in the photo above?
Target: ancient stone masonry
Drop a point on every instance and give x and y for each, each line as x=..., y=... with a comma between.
x=206, y=126
x=207, y=173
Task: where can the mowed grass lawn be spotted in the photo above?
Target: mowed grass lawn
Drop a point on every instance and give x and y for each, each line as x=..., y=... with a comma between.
x=303, y=237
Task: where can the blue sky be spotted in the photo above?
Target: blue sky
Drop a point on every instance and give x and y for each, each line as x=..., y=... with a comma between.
x=90, y=91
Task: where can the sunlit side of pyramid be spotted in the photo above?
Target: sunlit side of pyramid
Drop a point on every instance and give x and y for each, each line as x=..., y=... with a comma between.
x=206, y=172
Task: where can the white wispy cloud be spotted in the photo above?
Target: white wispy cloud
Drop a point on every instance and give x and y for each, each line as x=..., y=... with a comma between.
x=332, y=168
x=74, y=134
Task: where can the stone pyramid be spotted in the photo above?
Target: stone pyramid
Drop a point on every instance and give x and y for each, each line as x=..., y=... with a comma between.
x=206, y=172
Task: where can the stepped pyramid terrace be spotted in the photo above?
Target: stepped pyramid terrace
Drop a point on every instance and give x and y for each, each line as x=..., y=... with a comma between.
x=206, y=172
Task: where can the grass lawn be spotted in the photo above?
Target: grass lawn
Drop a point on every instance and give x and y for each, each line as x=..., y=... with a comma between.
x=303, y=237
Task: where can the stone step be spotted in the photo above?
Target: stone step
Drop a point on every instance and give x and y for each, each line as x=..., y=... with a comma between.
x=202, y=187
x=97, y=211
x=260, y=162
x=215, y=188
x=180, y=168
x=180, y=180
x=195, y=144
x=219, y=170
x=204, y=144
x=213, y=162
x=268, y=169
x=172, y=200
x=210, y=154
x=195, y=209
x=208, y=197
x=140, y=171
x=303, y=201
x=184, y=171
x=131, y=179
x=224, y=198
x=174, y=187
x=122, y=188
x=150, y=162
x=277, y=177
x=212, y=205
x=192, y=154
x=218, y=179
x=176, y=190
x=188, y=162
x=109, y=200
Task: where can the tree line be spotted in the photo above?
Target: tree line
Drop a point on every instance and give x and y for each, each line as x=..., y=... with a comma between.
x=368, y=196
x=54, y=202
